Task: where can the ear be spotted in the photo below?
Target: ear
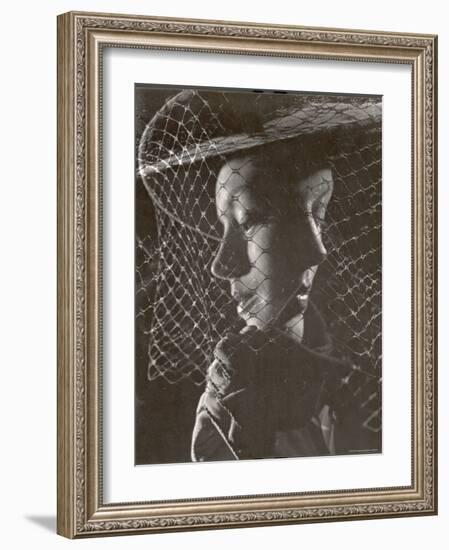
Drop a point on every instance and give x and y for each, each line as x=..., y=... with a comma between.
x=316, y=191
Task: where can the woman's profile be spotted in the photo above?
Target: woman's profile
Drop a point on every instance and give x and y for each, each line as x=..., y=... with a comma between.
x=246, y=182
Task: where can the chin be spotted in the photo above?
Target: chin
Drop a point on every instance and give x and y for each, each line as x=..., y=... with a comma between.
x=280, y=315
x=262, y=321
x=253, y=322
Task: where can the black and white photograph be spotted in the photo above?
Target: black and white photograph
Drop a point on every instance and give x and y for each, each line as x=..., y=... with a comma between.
x=258, y=289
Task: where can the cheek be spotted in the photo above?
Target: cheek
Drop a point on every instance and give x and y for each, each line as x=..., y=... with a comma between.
x=267, y=251
x=276, y=256
x=266, y=237
x=264, y=242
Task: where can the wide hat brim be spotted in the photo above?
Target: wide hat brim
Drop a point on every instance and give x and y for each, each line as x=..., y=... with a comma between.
x=196, y=125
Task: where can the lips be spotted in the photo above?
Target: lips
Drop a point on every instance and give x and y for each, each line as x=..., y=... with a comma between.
x=239, y=292
x=248, y=303
x=250, y=306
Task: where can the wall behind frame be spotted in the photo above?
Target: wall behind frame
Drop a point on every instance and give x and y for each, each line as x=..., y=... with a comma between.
x=28, y=275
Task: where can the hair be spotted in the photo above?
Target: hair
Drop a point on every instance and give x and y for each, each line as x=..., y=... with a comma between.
x=283, y=163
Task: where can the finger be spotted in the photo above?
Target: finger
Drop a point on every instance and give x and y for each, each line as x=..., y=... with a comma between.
x=227, y=346
x=219, y=377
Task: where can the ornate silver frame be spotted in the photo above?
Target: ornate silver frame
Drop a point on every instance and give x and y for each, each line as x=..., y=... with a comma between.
x=81, y=37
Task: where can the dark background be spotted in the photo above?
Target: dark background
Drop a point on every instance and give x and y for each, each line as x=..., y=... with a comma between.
x=165, y=412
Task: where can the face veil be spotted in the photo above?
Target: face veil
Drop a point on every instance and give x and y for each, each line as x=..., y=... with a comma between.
x=182, y=310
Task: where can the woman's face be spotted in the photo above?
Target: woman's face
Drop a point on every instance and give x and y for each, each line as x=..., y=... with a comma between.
x=271, y=244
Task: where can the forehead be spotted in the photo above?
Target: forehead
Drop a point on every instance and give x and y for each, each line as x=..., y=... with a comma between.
x=237, y=173
x=236, y=182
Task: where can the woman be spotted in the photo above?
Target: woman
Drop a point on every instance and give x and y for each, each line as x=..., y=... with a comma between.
x=270, y=388
x=274, y=387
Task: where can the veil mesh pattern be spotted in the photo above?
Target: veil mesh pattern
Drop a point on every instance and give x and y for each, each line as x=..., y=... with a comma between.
x=182, y=310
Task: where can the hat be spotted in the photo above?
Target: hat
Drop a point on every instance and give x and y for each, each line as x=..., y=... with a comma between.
x=198, y=124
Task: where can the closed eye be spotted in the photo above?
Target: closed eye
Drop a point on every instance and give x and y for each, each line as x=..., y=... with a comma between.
x=252, y=220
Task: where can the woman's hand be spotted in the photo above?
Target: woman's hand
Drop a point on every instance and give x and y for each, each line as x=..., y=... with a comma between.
x=262, y=382
x=258, y=383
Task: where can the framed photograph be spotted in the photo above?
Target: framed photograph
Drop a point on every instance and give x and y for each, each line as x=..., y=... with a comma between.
x=246, y=274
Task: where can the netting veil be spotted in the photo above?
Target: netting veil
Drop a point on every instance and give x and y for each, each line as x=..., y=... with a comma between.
x=182, y=310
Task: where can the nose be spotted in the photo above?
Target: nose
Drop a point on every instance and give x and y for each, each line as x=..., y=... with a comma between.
x=231, y=260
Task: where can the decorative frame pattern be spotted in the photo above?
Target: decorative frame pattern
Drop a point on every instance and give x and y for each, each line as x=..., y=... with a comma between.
x=81, y=37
